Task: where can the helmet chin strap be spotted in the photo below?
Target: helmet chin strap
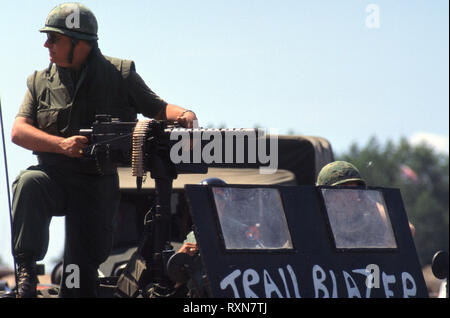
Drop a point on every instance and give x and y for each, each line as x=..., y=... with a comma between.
x=72, y=49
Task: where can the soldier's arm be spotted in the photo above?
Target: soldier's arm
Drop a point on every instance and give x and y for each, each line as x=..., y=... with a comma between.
x=27, y=136
x=176, y=113
x=151, y=105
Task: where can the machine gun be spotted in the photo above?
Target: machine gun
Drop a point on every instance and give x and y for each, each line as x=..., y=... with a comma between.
x=146, y=146
x=137, y=144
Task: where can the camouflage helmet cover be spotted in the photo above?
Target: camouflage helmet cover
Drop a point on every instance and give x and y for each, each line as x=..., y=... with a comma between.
x=339, y=172
x=74, y=20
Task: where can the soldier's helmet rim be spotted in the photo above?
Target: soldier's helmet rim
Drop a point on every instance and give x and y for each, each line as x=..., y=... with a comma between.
x=72, y=19
x=339, y=172
x=213, y=181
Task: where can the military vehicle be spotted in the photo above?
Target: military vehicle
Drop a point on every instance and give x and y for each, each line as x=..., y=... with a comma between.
x=259, y=234
x=268, y=232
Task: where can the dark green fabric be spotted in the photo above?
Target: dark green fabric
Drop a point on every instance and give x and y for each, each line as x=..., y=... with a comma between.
x=88, y=203
x=61, y=106
x=190, y=238
x=61, y=102
x=129, y=284
x=105, y=85
x=339, y=172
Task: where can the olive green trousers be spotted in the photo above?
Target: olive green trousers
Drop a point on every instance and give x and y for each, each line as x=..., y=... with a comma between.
x=88, y=202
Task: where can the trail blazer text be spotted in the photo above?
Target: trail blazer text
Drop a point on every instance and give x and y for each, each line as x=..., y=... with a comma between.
x=212, y=150
x=244, y=280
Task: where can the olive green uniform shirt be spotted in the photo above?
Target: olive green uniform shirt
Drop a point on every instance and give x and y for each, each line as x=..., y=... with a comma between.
x=141, y=98
x=61, y=102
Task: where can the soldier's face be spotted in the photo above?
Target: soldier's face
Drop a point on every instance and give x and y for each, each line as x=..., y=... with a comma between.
x=59, y=47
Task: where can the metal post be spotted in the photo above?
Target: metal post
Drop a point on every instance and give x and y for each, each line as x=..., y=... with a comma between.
x=8, y=192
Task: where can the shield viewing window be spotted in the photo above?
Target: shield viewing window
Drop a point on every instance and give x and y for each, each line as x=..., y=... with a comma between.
x=358, y=218
x=251, y=218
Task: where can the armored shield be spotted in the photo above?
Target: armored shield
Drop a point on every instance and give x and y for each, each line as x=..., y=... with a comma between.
x=304, y=241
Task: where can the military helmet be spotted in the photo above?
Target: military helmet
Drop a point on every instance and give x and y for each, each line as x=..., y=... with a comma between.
x=339, y=172
x=213, y=181
x=74, y=20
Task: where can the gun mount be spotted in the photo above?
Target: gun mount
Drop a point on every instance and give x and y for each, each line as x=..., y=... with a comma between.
x=146, y=145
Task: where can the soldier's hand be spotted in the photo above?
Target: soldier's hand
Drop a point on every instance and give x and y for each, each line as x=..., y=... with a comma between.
x=73, y=146
x=189, y=248
x=188, y=120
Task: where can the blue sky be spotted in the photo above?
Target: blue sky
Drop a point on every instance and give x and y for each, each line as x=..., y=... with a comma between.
x=313, y=67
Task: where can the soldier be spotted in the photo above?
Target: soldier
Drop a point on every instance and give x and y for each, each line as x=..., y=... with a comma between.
x=190, y=244
x=78, y=84
x=342, y=173
x=194, y=287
